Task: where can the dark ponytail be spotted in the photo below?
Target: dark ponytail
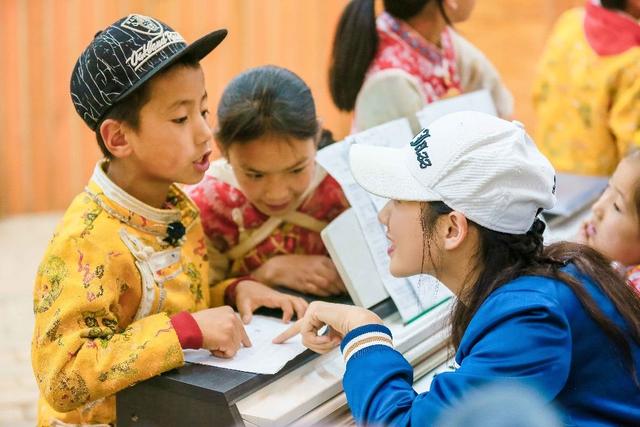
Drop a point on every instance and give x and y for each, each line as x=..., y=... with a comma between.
x=326, y=138
x=614, y=4
x=354, y=46
x=505, y=257
x=407, y=9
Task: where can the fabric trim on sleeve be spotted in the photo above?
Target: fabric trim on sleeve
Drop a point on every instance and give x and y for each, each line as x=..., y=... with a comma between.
x=187, y=329
x=364, y=337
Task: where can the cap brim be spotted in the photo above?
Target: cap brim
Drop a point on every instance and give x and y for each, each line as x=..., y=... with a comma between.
x=383, y=172
x=196, y=51
x=201, y=47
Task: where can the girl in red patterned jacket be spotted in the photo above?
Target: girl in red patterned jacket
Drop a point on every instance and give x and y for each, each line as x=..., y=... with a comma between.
x=393, y=65
x=265, y=202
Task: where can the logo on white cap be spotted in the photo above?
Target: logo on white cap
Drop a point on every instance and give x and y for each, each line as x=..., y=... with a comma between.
x=419, y=144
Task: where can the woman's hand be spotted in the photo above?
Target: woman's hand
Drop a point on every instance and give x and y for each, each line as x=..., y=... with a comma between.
x=311, y=274
x=340, y=319
x=251, y=295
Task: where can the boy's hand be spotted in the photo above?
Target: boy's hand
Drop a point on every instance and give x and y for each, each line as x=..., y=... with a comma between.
x=340, y=319
x=251, y=295
x=222, y=331
x=311, y=274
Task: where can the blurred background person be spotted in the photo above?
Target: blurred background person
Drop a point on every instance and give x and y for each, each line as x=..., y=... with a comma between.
x=391, y=66
x=587, y=92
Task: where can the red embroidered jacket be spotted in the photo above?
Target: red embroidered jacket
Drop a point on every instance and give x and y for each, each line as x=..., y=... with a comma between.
x=241, y=238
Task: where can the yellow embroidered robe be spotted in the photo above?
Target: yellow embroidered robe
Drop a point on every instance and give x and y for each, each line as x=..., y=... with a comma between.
x=102, y=299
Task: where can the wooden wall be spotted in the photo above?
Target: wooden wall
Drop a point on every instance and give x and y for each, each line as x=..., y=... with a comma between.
x=46, y=151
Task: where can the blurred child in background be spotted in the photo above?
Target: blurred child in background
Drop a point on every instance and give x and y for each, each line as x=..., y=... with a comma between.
x=587, y=93
x=614, y=227
x=391, y=67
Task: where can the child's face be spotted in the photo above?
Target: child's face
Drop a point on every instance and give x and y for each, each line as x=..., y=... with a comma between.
x=273, y=172
x=173, y=140
x=614, y=227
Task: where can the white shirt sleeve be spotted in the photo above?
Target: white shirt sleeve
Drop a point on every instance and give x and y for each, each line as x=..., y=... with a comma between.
x=477, y=72
x=388, y=95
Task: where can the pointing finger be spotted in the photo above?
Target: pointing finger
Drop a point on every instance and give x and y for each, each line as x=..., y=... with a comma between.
x=289, y=333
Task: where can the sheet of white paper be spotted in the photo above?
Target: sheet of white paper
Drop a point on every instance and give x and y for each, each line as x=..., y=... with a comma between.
x=263, y=357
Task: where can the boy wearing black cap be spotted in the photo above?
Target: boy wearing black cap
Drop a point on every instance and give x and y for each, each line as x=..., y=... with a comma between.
x=128, y=263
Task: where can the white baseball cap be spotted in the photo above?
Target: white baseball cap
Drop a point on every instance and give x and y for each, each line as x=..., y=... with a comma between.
x=485, y=167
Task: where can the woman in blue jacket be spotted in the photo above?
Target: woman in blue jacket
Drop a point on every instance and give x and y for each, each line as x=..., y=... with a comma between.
x=557, y=319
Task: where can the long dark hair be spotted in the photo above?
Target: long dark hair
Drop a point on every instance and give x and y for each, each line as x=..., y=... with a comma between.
x=504, y=257
x=356, y=41
x=267, y=100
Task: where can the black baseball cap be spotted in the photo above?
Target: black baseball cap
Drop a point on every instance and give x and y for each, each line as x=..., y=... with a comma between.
x=124, y=56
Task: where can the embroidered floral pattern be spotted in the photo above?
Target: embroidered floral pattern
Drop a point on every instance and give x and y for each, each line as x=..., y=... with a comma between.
x=54, y=271
x=400, y=47
x=121, y=370
x=72, y=389
x=52, y=332
x=195, y=285
x=89, y=218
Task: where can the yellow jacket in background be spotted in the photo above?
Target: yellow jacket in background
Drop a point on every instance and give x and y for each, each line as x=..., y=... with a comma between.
x=587, y=93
